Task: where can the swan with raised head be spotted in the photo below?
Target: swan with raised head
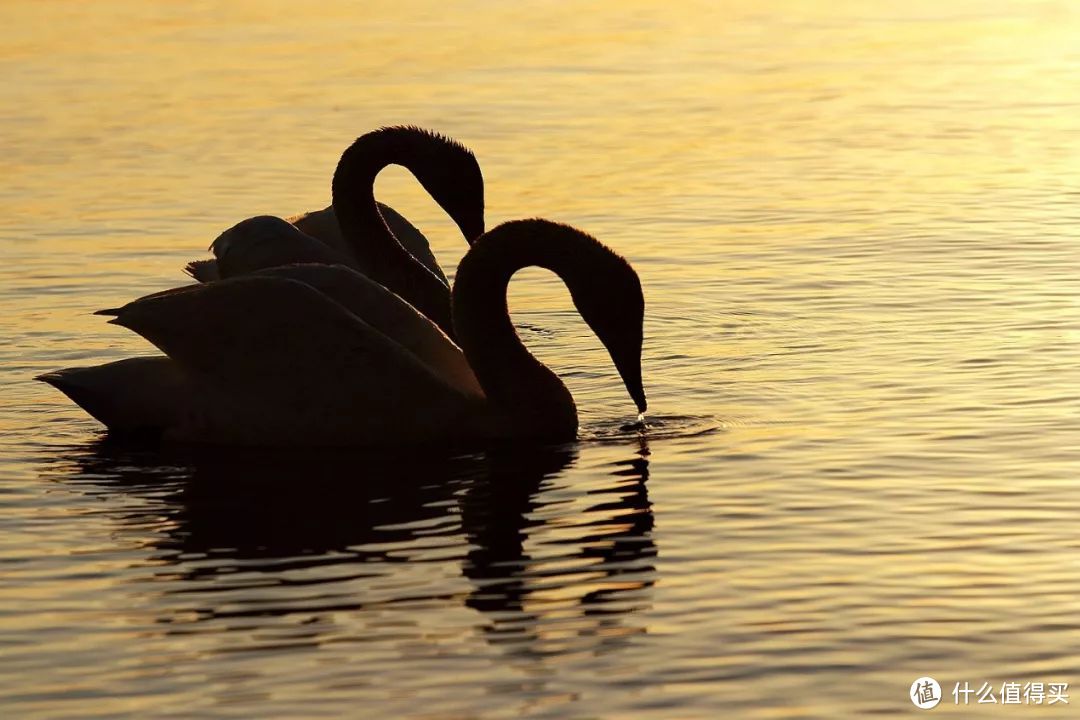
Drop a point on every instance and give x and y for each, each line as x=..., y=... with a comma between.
x=358, y=231
x=266, y=359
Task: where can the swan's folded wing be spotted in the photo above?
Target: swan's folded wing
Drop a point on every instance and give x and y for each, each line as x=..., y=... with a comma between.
x=302, y=366
x=389, y=314
x=161, y=293
x=141, y=396
x=323, y=226
x=412, y=240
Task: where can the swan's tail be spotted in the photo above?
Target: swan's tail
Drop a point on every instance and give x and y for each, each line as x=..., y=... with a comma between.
x=203, y=270
x=138, y=396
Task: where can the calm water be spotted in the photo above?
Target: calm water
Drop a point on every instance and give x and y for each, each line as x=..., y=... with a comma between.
x=857, y=227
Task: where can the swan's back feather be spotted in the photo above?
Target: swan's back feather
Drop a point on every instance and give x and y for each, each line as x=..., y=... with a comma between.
x=203, y=270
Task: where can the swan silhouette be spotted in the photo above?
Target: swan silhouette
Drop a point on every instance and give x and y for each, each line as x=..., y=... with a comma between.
x=359, y=232
x=143, y=394
x=268, y=359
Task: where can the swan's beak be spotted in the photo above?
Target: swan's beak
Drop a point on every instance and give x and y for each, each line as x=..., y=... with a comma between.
x=630, y=372
x=638, y=395
x=471, y=230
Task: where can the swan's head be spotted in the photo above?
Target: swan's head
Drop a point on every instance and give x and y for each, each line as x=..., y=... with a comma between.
x=463, y=199
x=605, y=289
x=447, y=169
x=450, y=173
x=612, y=304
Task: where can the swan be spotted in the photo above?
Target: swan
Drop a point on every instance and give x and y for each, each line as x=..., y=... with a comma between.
x=355, y=229
x=142, y=395
x=266, y=359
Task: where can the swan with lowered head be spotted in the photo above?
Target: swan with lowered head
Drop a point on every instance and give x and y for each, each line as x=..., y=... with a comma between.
x=270, y=360
x=364, y=239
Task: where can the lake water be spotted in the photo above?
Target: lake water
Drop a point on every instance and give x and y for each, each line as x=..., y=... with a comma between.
x=857, y=228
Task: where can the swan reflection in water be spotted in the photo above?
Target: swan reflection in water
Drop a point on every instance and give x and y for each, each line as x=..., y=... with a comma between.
x=313, y=549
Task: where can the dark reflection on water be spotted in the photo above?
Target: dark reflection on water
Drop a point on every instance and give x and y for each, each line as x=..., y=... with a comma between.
x=611, y=536
x=239, y=541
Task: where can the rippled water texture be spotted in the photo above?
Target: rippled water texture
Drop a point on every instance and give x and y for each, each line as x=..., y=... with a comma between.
x=856, y=224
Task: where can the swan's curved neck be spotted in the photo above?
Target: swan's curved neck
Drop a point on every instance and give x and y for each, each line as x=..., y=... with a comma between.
x=353, y=193
x=527, y=398
x=378, y=252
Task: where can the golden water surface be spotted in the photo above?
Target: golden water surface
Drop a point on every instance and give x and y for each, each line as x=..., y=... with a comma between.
x=857, y=228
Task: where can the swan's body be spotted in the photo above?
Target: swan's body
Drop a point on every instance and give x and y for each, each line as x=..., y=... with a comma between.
x=269, y=359
x=147, y=394
x=378, y=307
x=283, y=380
x=369, y=236
x=387, y=313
